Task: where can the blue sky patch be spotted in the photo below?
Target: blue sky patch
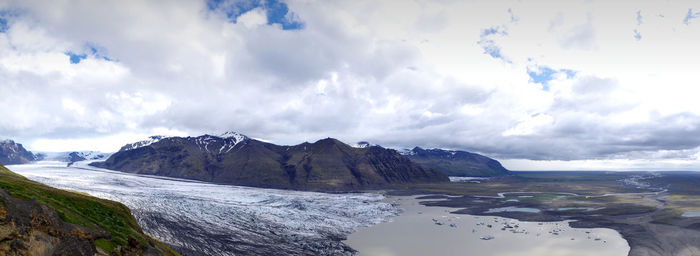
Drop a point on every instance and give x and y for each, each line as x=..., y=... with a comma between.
x=276, y=11
x=543, y=74
x=6, y=15
x=89, y=50
x=691, y=15
x=497, y=30
x=76, y=58
x=3, y=25
x=489, y=45
x=639, y=17
x=637, y=35
x=491, y=48
x=513, y=18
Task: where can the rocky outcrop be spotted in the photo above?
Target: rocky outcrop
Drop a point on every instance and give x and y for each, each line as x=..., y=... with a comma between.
x=14, y=153
x=39, y=220
x=456, y=163
x=327, y=164
x=29, y=228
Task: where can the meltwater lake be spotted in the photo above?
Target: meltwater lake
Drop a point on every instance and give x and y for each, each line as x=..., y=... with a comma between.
x=422, y=230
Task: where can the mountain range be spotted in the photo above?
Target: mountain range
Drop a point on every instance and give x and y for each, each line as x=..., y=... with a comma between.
x=70, y=157
x=14, y=153
x=232, y=158
x=456, y=163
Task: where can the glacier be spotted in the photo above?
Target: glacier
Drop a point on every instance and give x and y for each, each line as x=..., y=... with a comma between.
x=197, y=218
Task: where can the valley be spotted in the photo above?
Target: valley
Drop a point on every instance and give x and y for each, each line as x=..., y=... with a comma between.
x=349, y=128
x=649, y=210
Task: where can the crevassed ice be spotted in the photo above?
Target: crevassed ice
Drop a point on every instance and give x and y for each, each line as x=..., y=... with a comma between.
x=218, y=219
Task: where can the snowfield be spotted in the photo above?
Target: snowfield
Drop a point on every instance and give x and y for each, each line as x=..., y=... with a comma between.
x=198, y=218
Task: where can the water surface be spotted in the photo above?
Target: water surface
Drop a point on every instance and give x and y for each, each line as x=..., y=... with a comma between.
x=416, y=232
x=513, y=209
x=691, y=214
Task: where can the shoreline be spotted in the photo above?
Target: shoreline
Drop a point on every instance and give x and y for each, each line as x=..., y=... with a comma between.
x=449, y=233
x=644, y=237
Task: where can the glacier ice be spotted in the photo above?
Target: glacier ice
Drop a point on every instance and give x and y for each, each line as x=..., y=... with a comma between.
x=199, y=218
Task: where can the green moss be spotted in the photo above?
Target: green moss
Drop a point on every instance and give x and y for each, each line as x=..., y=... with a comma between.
x=105, y=245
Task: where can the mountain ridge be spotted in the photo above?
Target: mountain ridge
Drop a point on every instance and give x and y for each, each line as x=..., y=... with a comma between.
x=326, y=164
x=14, y=153
x=456, y=162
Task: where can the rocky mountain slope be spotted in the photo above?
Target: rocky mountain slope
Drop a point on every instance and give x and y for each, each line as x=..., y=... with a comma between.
x=232, y=158
x=39, y=220
x=14, y=153
x=456, y=163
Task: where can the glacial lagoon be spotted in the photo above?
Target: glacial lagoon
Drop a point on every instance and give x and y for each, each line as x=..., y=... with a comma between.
x=422, y=230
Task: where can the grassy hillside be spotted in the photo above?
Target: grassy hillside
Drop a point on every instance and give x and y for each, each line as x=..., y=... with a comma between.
x=83, y=210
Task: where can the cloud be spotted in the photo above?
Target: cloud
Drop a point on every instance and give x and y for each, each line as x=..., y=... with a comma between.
x=432, y=22
x=545, y=81
x=530, y=125
x=581, y=37
x=252, y=18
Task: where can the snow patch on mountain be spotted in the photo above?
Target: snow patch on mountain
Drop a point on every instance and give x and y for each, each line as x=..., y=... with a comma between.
x=143, y=143
x=406, y=151
x=362, y=144
x=236, y=136
x=412, y=152
x=229, y=140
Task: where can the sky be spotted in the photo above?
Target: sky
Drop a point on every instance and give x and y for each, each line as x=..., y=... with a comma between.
x=539, y=85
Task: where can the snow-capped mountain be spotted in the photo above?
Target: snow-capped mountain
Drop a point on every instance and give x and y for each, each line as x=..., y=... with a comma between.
x=236, y=136
x=229, y=141
x=233, y=158
x=14, y=153
x=143, y=143
x=72, y=156
x=406, y=151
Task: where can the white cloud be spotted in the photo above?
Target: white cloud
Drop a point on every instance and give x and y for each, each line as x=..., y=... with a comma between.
x=530, y=125
x=253, y=18
x=396, y=73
